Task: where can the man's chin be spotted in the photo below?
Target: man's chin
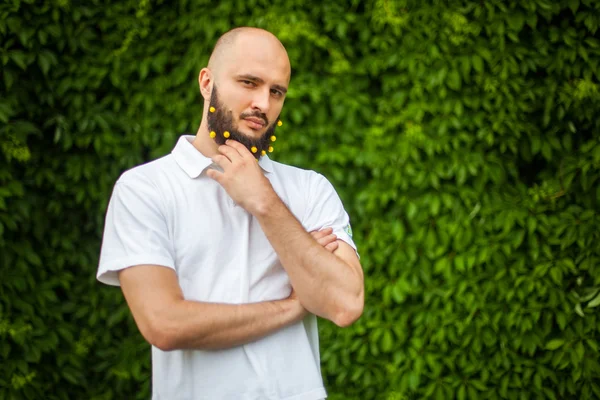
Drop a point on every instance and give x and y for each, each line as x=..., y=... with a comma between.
x=252, y=138
x=252, y=134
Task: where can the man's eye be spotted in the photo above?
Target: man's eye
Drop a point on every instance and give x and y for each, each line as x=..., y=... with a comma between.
x=276, y=92
x=249, y=83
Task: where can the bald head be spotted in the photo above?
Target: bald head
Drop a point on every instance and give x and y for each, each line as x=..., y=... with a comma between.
x=236, y=44
x=244, y=86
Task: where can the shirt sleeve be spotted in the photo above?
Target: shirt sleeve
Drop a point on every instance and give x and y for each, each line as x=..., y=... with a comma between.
x=325, y=210
x=135, y=231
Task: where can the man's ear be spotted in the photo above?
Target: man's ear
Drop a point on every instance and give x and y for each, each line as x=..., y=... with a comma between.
x=205, y=82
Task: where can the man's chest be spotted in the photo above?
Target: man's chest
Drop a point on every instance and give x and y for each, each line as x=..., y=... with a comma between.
x=221, y=252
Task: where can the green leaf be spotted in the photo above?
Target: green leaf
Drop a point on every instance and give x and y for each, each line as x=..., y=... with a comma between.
x=580, y=350
x=453, y=79
x=387, y=341
x=19, y=58
x=547, y=151
x=477, y=63
x=397, y=294
x=435, y=205
x=561, y=318
x=516, y=20
x=595, y=302
x=462, y=393
x=549, y=393
x=44, y=63
x=556, y=275
x=573, y=5
x=473, y=394
x=441, y=265
x=9, y=77
x=414, y=380
x=532, y=20
x=537, y=381
x=536, y=144
x=554, y=344
x=5, y=112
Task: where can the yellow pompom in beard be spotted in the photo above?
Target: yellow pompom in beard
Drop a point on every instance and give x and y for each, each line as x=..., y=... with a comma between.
x=221, y=122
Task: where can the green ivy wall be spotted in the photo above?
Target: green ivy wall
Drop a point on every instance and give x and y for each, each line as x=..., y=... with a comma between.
x=462, y=136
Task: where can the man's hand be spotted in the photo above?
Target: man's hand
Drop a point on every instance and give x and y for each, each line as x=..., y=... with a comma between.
x=242, y=177
x=326, y=238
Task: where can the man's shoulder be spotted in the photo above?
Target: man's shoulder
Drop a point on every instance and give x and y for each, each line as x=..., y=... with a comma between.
x=293, y=172
x=148, y=172
x=306, y=179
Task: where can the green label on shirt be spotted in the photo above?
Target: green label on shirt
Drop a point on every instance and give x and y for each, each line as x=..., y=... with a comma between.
x=348, y=230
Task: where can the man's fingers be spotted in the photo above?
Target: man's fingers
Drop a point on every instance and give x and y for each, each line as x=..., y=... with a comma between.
x=241, y=149
x=229, y=152
x=316, y=234
x=327, y=239
x=323, y=232
x=221, y=161
x=332, y=246
x=214, y=174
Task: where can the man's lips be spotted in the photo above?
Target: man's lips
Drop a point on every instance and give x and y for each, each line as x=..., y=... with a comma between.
x=255, y=123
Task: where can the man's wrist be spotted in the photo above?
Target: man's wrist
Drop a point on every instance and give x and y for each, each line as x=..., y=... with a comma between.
x=266, y=206
x=292, y=309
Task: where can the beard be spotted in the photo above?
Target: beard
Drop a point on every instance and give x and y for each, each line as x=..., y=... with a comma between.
x=222, y=120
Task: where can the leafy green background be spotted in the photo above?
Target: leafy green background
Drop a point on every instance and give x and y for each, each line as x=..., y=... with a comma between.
x=463, y=138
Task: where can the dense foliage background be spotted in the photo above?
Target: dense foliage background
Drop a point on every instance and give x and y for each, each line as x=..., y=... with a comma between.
x=463, y=137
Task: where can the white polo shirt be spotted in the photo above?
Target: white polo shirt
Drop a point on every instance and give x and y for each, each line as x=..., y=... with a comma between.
x=168, y=212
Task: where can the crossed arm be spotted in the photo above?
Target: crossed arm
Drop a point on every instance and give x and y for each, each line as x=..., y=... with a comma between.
x=325, y=274
x=328, y=285
x=169, y=322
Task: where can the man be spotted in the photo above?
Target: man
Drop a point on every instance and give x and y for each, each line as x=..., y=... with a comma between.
x=212, y=250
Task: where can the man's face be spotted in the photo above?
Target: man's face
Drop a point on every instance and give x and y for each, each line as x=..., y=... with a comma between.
x=252, y=84
x=222, y=120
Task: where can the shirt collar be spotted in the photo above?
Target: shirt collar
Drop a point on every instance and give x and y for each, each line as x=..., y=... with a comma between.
x=194, y=163
x=265, y=163
x=189, y=158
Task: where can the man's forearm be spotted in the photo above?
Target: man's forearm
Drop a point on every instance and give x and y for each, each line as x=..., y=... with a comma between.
x=210, y=326
x=326, y=285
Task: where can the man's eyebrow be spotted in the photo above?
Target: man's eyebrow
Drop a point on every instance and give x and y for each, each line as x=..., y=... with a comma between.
x=280, y=88
x=256, y=79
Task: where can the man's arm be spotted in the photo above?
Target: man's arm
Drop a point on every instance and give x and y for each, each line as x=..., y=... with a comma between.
x=169, y=322
x=328, y=285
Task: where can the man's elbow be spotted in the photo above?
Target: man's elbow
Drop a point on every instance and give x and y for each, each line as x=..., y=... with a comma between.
x=160, y=336
x=350, y=313
x=163, y=342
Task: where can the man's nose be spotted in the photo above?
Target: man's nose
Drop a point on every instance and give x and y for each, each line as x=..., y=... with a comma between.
x=262, y=100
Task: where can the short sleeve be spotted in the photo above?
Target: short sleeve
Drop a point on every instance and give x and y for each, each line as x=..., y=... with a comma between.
x=135, y=231
x=325, y=210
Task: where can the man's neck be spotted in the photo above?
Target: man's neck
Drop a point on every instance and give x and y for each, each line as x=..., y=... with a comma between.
x=204, y=143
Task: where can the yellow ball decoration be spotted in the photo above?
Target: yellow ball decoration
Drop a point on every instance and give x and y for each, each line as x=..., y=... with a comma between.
x=213, y=134
x=270, y=149
x=279, y=123
x=211, y=109
x=226, y=134
x=273, y=138
x=263, y=153
x=254, y=149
